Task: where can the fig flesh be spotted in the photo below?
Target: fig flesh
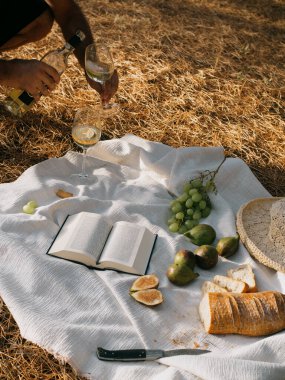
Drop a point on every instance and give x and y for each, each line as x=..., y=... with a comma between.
x=148, y=281
x=149, y=297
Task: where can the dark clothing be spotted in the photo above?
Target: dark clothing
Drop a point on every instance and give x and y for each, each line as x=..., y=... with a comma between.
x=16, y=14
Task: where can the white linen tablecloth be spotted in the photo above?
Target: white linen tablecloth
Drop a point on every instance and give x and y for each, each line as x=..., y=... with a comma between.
x=69, y=309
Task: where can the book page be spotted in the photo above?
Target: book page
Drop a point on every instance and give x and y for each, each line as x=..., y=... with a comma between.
x=82, y=234
x=128, y=248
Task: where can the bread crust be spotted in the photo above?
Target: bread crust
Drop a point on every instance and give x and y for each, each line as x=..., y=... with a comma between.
x=253, y=314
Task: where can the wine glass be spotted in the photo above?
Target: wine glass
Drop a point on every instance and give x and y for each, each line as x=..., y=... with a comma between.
x=99, y=67
x=86, y=132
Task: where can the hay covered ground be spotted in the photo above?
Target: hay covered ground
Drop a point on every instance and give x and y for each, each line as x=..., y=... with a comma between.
x=192, y=72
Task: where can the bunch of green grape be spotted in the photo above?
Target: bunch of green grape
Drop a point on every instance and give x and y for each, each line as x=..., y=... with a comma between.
x=191, y=206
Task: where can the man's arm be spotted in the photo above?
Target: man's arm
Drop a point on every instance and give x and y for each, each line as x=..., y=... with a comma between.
x=70, y=18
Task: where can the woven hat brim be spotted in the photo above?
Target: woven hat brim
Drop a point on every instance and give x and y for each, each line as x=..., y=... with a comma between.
x=253, y=221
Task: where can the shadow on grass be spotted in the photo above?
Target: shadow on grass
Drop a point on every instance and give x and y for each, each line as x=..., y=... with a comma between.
x=22, y=146
x=271, y=177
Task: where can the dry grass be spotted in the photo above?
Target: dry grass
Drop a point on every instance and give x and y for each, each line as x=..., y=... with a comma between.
x=193, y=72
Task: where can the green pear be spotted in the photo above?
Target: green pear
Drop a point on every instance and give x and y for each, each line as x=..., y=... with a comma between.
x=201, y=234
x=184, y=257
x=227, y=246
x=181, y=274
x=206, y=256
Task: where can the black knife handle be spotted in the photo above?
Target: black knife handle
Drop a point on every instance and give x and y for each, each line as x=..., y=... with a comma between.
x=121, y=355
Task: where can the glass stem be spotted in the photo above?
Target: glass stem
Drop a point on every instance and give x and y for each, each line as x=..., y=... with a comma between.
x=84, y=162
x=105, y=103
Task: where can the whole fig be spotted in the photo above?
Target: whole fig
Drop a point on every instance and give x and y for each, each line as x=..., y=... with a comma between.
x=206, y=256
x=184, y=257
x=181, y=274
x=201, y=234
x=227, y=246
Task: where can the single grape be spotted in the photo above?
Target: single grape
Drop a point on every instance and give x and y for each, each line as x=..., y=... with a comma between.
x=206, y=212
x=183, y=229
x=202, y=205
x=190, y=212
x=187, y=187
x=197, y=215
x=189, y=203
x=192, y=191
x=183, y=197
x=189, y=224
x=171, y=220
x=176, y=208
x=196, y=183
x=180, y=215
x=172, y=203
x=197, y=197
x=28, y=209
x=32, y=204
x=174, y=227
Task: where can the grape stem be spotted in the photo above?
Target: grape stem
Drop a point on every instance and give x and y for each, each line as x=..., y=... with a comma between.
x=210, y=176
x=216, y=171
x=204, y=175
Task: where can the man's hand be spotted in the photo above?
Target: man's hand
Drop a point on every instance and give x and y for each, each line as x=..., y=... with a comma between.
x=107, y=90
x=33, y=76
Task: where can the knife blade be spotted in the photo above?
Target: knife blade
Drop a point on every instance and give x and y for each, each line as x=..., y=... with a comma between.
x=143, y=355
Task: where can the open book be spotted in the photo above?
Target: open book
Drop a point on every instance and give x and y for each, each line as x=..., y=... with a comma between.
x=90, y=239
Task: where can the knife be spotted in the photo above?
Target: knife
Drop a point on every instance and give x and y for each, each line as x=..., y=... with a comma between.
x=142, y=354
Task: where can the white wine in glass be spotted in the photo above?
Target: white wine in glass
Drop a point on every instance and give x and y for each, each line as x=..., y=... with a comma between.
x=86, y=132
x=99, y=72
x=99, y=66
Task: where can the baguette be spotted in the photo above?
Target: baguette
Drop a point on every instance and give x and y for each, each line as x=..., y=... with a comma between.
x=253, y=314
x=231, y=285
x=244, y=273
x=209, y=286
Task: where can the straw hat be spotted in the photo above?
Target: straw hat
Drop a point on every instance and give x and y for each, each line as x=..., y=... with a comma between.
x=261, y=226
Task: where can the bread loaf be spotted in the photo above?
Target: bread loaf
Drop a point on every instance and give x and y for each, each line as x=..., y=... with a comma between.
x=244, y=273
x=253, y=314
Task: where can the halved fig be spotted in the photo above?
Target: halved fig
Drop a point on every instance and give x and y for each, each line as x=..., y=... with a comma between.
x=148, y=281
x=149, y=297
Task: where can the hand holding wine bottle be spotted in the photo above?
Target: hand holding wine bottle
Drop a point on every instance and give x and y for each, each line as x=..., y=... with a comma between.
x=20, y=101
x=33, y=76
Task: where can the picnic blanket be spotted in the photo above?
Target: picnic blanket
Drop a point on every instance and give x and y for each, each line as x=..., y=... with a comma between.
x=70, y=310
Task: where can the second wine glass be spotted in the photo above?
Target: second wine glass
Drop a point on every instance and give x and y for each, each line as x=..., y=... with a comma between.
x=99, y=66
x=86, y=132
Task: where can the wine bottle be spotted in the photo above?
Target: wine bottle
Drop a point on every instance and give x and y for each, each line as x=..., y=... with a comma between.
x=19, y=101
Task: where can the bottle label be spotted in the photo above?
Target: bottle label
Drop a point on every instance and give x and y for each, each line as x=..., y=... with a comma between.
x=26, y=98
x=75, y=40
